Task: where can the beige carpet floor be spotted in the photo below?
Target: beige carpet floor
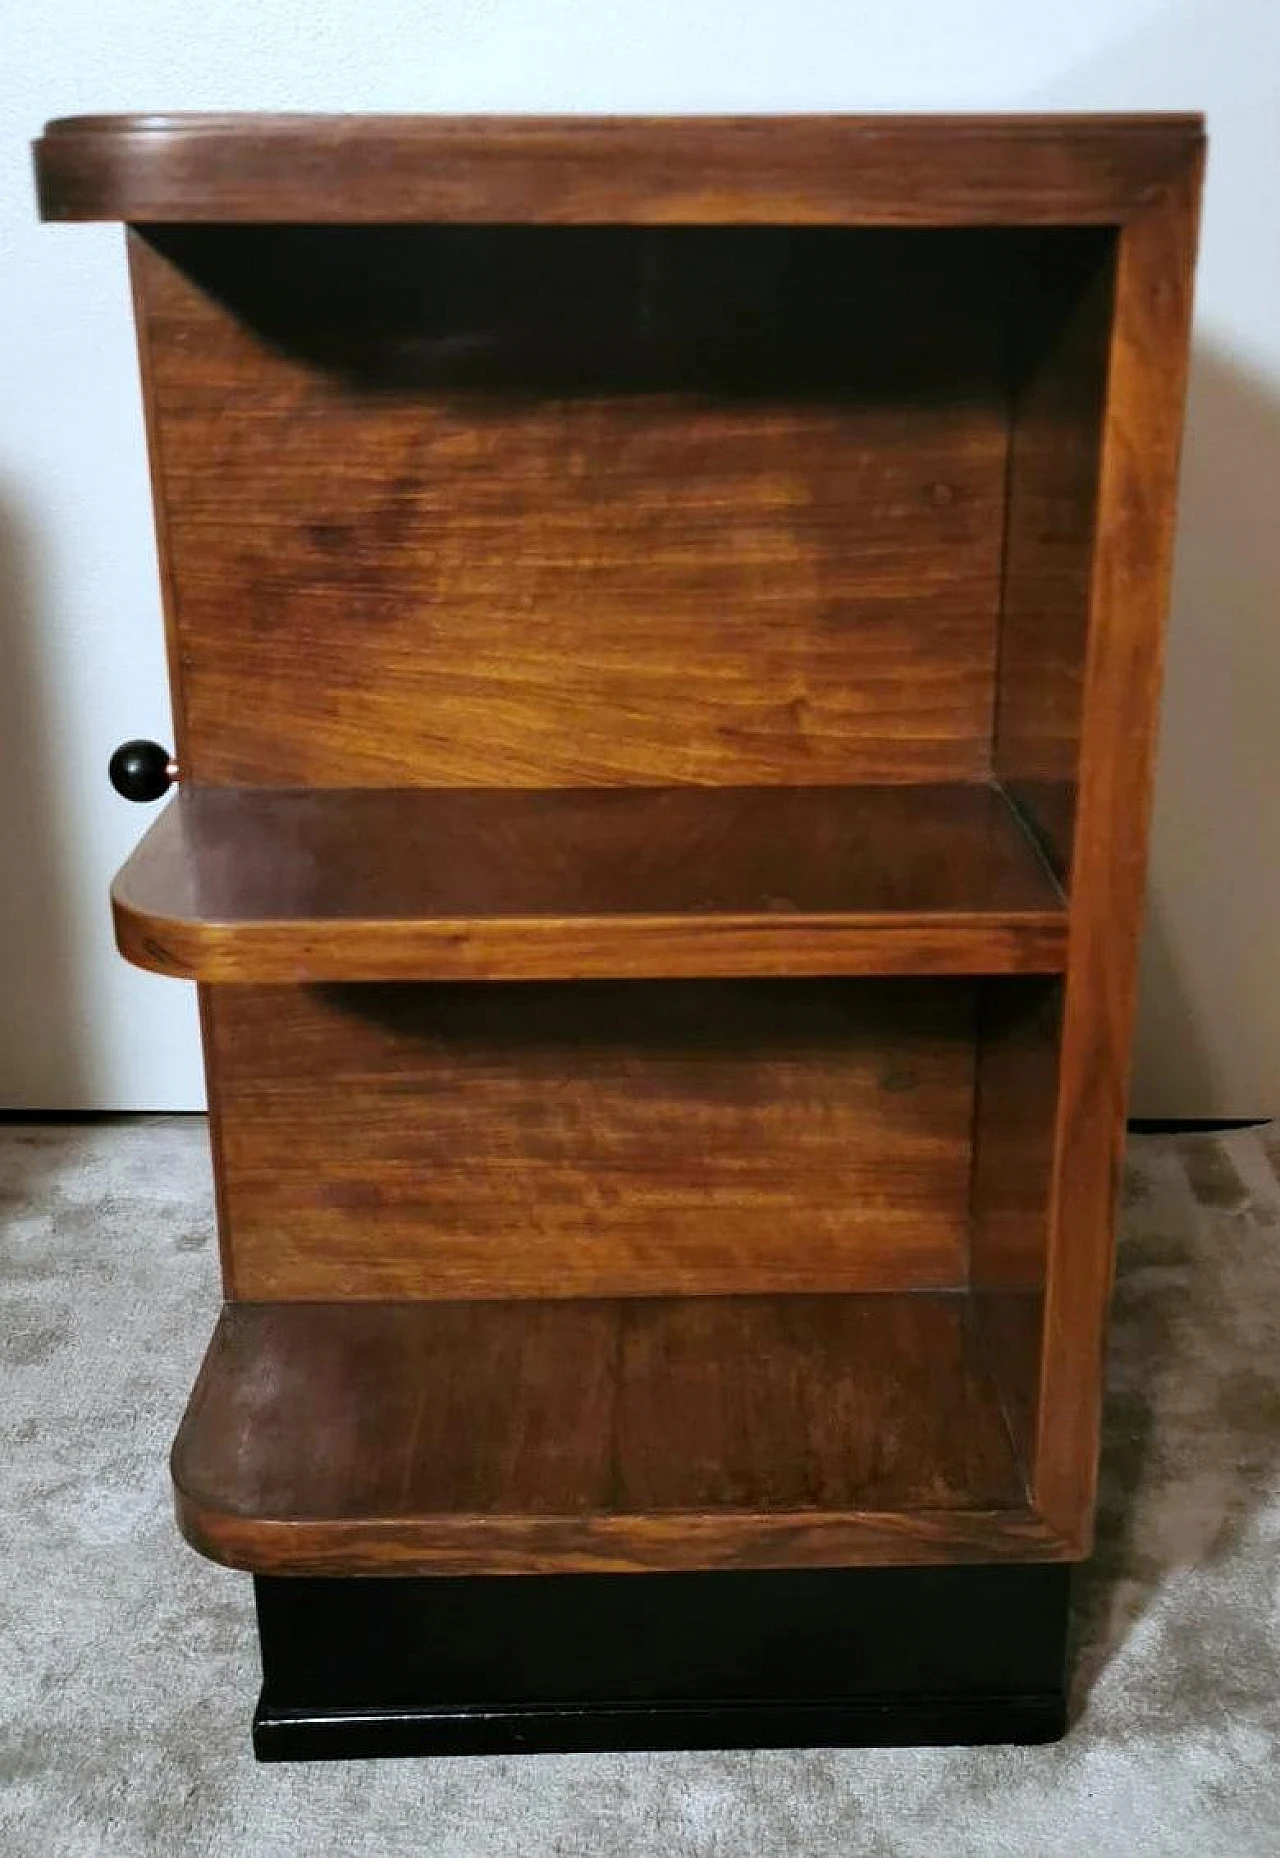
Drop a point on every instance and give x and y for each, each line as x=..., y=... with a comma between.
x=127, y=1665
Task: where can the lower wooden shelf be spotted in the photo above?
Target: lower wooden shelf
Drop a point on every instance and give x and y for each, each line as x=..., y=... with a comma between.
x=601, y=1435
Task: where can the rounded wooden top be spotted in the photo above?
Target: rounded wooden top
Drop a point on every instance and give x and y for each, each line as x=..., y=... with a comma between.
x=783, y=170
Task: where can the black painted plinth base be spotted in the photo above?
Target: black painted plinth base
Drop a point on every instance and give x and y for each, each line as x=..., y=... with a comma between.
x=828, y=1658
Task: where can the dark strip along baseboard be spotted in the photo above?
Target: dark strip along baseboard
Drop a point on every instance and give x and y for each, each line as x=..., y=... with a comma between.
x=88, y=1116
x=1193, y=1125
x=478, y=1665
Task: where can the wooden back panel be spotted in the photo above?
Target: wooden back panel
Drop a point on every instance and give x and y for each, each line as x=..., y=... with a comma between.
x=603, y=1139
x=575, y=506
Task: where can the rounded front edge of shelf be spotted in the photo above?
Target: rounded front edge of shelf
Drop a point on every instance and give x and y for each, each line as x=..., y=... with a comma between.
x=158, y=944
x=668, y=1542
x=307, y=953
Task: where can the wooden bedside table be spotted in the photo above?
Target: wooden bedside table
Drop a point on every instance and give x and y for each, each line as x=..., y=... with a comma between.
x=664, y=627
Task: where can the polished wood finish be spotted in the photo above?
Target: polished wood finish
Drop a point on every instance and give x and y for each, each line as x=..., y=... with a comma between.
x=595, y=1140
x=1149, y=354
x=1050, y=526
x=1017, y=1061
x=1011, y=1323
x=1017, y=1058
x=753, y=170
x=579, y=507
x=664, y=624
x=363, y=885
x=610, y=1436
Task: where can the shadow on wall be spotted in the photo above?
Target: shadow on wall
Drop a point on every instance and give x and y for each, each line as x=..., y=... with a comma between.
x=1209, y=1012
x=42, y=1008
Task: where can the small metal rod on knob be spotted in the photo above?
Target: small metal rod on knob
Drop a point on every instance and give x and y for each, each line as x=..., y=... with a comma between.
x=142, y=770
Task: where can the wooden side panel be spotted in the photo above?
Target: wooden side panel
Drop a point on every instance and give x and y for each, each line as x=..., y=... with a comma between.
x=594, y=1140
x=1018, y=1057
x=1018, y=1053
x=521, y=507
x=1141, y=435
x=1054, y=463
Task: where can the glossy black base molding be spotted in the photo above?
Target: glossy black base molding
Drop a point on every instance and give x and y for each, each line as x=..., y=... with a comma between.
x=825, y=1658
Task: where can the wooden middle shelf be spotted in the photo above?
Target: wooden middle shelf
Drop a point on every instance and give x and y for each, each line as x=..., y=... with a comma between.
x=492, y=1437
x=263, y=885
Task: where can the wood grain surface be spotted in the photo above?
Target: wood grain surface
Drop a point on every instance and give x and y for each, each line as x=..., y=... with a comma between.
x=658, y=587
x=1018, y=1060
x=558, y=508
x=935, y=170
x=1142, y=429
x=490, y=1438
x=585, y=1140
x=1018, y=1056
x=250, y=885
x=1055, y=459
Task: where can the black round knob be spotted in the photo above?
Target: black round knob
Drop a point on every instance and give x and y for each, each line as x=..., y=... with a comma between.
x=141, y=770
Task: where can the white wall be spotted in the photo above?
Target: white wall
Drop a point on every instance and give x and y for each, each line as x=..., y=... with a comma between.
x=80, y=639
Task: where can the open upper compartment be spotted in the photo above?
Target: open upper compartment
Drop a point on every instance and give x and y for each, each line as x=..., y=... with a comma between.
x=577, y=506
x=553, y=454
x=548, y=508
